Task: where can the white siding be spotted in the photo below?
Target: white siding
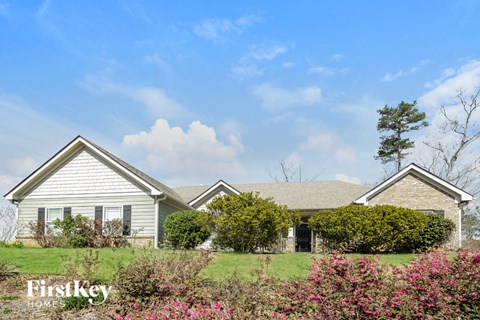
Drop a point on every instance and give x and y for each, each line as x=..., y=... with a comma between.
x=143, y=210
x=83, y=174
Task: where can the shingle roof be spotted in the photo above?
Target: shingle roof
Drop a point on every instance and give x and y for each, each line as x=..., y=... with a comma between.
x=295, y=195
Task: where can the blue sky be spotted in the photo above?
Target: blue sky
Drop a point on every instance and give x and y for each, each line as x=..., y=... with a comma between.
x=196, y=91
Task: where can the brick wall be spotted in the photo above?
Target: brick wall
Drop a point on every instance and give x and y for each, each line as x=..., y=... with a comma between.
x=414, y=193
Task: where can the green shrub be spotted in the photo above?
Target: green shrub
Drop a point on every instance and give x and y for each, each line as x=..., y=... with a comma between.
x=247, y=222
x=368, y=229
x=182, y=229
x=12, y=244
x=436, y=233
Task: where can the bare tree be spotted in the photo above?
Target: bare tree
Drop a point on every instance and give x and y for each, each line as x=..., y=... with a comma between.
x=8, y=225
x=455, y=156
x=290, y=171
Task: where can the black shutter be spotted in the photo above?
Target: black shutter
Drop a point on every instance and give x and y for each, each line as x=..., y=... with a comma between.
x=127, y=220
x=98, y=219
x=67, y=211
x=41, y=221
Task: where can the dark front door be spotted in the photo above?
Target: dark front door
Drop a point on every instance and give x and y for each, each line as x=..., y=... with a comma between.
x=304, y=238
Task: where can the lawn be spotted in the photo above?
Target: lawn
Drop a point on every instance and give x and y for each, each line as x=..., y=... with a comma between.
x=283, y=266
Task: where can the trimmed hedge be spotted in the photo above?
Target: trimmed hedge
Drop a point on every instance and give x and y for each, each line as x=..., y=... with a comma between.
x=379, y=229
x=183, y=231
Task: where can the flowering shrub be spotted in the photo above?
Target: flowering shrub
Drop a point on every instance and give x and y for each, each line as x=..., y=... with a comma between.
x=431, y=287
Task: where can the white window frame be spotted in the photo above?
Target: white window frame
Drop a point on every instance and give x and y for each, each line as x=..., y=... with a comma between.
x=49, y=223
x=104, y=216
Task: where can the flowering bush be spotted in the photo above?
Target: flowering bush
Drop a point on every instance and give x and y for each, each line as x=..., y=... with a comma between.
x=431, y=287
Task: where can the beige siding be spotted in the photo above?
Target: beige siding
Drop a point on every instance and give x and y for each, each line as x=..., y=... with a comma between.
x=415, y=193
x=84, y=174
x=143, y=210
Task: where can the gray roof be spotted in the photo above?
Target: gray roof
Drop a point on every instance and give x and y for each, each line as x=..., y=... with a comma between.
x=160, y=186
x=312, y=195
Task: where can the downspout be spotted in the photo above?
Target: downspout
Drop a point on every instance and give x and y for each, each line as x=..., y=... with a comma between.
x=157, y=213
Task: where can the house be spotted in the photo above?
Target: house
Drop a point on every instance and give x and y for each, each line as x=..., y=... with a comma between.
x=413, y=187
x=82, y=178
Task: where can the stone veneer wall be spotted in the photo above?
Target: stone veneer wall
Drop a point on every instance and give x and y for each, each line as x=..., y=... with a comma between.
x=414, y=193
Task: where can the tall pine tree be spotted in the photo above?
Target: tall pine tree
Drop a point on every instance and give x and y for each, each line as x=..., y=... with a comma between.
x=398, y=120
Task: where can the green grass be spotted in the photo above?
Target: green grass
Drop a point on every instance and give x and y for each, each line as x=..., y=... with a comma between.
x=283, y=266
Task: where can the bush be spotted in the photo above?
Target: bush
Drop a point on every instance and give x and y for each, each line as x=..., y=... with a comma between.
x=79, y=232
x=151, y=277
x=12, y=244
x=436, y=233
x=182, y=229
x=365, y=229
x=247, y=222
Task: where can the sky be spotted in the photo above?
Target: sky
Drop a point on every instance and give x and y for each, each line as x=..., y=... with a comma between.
x=192, y=92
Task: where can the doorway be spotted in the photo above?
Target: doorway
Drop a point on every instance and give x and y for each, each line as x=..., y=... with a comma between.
x=303, y=239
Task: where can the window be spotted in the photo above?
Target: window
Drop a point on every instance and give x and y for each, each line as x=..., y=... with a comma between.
x=441, y=213
x=51, y=215
x=112, y=220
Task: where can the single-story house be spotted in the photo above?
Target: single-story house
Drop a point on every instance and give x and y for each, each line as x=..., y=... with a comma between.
x=83, y=178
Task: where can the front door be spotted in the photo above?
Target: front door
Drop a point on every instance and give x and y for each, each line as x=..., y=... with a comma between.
x=304, y=238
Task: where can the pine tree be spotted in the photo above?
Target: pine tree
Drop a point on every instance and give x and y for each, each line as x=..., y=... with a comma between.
x=398, y=120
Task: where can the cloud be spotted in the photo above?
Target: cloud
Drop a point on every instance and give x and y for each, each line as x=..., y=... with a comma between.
x=328, y=71
x=266, y=51
x=157, y=60
x=216, y=29
x=318, y=142
x=465, y=78
x=194, y=153
x=402, y=73
x=156, y=100
x=245, y=71
x=288, y=65
x=248, y=64
x=345, y=178
x=278, y=99
x=345, y=155
x=336, y=57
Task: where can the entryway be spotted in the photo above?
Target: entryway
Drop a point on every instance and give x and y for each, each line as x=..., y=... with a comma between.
x=303, y=237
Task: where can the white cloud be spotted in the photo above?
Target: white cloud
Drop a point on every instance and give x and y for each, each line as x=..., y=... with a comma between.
x=157, y=60
x=4, y=8
x=215, y=29
x=194, y=153
x=266, y=51
x=277, y=99
x=336, y=57
x=248, y=64
x=465, y=78
x=345, y=178
x=156, y=100
x=345, y=155
x=328, y=71
x=244, y=71
x=288, y=65
x=394, y=76
x=318, y=142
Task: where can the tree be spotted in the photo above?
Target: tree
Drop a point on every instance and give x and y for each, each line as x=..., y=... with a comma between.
x=399, y=120
x=247, y=222
x=8, y=223
x=183, y=229
x=455, y=155
x=290, y=171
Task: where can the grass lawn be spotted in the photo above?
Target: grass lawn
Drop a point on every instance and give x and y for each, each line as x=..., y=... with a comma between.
x=283, y=266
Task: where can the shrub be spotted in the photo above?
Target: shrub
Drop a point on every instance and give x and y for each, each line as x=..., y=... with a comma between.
x=247, y=222
x=6, y=269
x=12, y=244
x=365, y=229
x=183, y=230
x=79, y=232
x=436, y=233
x=151, y=277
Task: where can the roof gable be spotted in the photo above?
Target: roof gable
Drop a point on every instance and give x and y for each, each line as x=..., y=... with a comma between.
x=211, y=192
x=459, y=194
x=153, y=187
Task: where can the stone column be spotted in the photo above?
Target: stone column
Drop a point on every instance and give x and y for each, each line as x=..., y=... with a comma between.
x=290, y=240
